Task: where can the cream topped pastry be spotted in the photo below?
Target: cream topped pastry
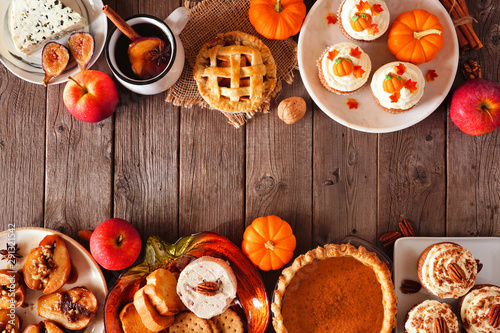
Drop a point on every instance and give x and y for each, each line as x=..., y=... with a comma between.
x=398, y=86
x=207, y=286
x=447, y=270
x=480, y=309
x=430, y=314
x=344, y=68
x=363, y=20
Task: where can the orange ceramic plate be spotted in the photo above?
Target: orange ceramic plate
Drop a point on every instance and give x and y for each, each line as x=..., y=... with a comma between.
x=251, y=302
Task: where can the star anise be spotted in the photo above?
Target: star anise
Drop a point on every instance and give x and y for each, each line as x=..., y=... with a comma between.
x=5, y=252
x=160, y=53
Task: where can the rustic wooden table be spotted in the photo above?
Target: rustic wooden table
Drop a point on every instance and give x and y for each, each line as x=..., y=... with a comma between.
x=174, y=171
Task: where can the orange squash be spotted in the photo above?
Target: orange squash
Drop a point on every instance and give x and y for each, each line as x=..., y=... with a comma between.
x=361, y=21
x=343, y=66
x=416, y=36
x=392, y=83
x=277, y=19
x=269, y=242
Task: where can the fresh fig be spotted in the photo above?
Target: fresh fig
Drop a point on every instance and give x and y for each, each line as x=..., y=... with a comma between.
x=55, y=58
x=149, y=56
x=81, y=46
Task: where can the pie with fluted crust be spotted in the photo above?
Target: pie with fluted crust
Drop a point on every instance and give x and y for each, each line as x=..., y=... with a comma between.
x=336, y=288
x=235, y=72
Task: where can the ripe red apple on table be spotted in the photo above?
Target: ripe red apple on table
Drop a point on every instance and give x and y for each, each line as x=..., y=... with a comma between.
x=115, y=244
x=90, y=96
x=475, y=106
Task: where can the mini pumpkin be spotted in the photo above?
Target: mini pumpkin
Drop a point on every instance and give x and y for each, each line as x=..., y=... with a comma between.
x=392, y=83
x=277, y=19
x=269, y=242
x=416, y=36
x=343, y=66
x=361, y=21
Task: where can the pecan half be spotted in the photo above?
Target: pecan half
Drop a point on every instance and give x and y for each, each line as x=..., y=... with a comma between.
x=440, y=325
x=479, y=265
x=207, y=288
x=406, y=228
x=410, y=287
x=455, y=272
x=389, y=238
x=494, y=316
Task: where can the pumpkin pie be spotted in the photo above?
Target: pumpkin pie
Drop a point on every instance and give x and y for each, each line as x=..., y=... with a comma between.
x=336, y=288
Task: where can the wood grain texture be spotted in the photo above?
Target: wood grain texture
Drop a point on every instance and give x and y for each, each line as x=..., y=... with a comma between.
x=22, y=146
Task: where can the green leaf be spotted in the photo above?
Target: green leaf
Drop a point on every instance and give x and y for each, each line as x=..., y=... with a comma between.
x=388, y=77
x=338, y=60
x=355, y=18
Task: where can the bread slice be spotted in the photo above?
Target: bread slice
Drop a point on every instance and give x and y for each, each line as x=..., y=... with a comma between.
x=131, y=321
x=161, y=289
x=150, y=317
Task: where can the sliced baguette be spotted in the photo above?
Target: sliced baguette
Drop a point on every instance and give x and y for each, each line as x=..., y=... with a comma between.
x=150, y=317
x=131, y=321
x=161, y=289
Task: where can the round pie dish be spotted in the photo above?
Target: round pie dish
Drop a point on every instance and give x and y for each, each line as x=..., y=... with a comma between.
x=335, y=288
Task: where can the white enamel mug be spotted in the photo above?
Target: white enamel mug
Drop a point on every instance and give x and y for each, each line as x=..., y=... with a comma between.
x=172, y=27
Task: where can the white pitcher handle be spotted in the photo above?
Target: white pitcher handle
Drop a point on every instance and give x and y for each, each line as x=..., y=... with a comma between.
x=178, y=19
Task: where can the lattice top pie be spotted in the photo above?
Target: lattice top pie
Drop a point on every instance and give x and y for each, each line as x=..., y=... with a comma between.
x=235, y=72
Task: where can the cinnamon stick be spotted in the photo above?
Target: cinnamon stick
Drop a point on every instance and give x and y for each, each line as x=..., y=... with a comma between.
x=120, y=23
x=462, y=41
x=456, y=12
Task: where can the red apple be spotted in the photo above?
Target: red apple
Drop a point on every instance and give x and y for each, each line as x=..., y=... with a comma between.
x=115, y=244
x=475, y=106
x=90, y=96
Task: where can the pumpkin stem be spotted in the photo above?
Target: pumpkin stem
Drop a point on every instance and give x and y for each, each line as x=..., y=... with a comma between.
x=269, y=244
x=278, y=7
x=420, y=34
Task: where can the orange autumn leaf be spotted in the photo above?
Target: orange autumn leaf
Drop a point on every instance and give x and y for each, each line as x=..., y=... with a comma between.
x=411, y=86
x=394, y=97
x=362, y=6
x=355, y=52
x=431, y=75
x=332, y=54
x=358, y=72
x=373, y=29
x=352, y=103
x=400, y=69
x=331, y=18
x=376, y=9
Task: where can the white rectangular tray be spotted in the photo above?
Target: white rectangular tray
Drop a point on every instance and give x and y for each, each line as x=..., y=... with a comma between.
x=407, y=250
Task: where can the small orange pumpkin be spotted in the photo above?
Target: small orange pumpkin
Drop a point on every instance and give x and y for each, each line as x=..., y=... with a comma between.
x=416, y=36
x=277, y=19
x=392, y=83
x=343, y=66
x=361, y=21
x=269, y=242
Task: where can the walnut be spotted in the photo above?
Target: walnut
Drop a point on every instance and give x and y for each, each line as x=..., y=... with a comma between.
x=292, y=109
x=471, y=70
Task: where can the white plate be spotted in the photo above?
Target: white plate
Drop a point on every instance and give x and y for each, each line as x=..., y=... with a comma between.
x=29, y=68
x=88, y=273
x=316, y=35
x=407, y=251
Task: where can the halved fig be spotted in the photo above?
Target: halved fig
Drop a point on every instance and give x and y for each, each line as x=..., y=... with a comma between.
x=149, y=56
x=81, y=46
x=55, y=59
x=74, y=309
x=161, y=289
x=47, y=267
x=131, y=321
x=12, y=287
x=9, y=322
x=46, y=326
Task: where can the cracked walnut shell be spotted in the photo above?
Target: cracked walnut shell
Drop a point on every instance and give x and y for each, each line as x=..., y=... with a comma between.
x=292, y=109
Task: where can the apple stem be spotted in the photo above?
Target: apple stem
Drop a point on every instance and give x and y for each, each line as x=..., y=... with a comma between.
x=76, y=82
x=485, y=109
x=119, y=240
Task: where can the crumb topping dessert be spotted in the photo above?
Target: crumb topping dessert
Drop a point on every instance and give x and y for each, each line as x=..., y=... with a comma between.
x=365, y=20
x=480, y=310
x=430, y=315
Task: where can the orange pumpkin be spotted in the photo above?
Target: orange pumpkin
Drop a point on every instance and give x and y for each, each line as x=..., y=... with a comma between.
x=277, y=19
x=416, y=36
x=392, y=83
x=343, y=66
x=361, y=21
x=269, y=242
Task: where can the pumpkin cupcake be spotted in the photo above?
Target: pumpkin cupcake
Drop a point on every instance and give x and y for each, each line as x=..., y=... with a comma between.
x=363, y=21
x=480, y=309
x=431, y=316
x=398, y=86
x=344, y=68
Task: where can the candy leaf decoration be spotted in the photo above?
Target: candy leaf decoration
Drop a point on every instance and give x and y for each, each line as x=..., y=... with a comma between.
x=431, y=75
x=81, y=45
x=355, y=52
x=269, y=242
x=352, y=103
x=400, y=69
x=358, y=72
x=343, y=67
x=372, y=29
x=416, y=36
x=411, y=86
x=362, y=6
x=55, y=59
x=331, y=18
x=332, y=54
x=251, y=294
x=277, y=19
x=376, y=9
x=361, y=21
x=392, y=83
x=395, y=97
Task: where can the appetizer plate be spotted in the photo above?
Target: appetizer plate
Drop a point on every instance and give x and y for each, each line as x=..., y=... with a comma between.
x=251, y=301
x=29, y=67
x=316, y=35
x=84, y=272
x=407, y=251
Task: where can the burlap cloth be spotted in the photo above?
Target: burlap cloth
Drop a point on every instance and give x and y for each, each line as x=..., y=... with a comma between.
x=208, y=18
